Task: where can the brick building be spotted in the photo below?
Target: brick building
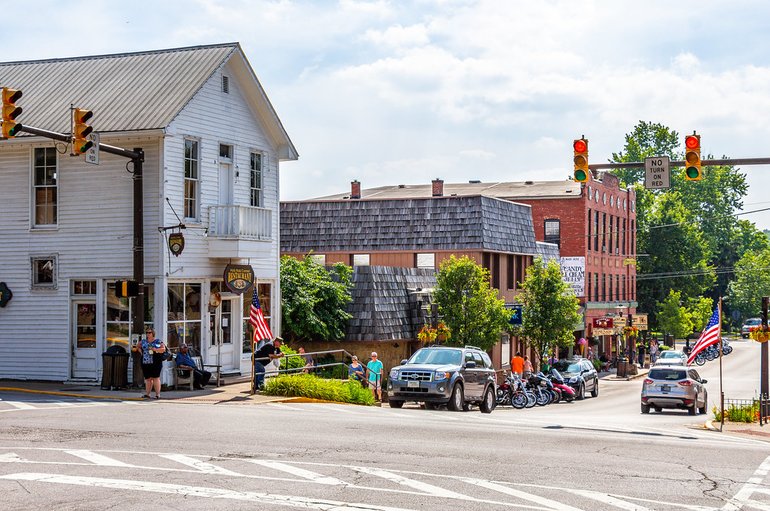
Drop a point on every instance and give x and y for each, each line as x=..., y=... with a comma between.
x=594, y=225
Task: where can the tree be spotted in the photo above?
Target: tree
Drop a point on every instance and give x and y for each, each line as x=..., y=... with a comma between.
x=673, y=318
x=314, y=299
x=700, y=310
x=752, y=282
x=675, y=252
x=469, y=307
x=550, y=308
x=647, y=140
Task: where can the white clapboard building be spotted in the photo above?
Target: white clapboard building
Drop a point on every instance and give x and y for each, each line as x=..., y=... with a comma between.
x=212, y=143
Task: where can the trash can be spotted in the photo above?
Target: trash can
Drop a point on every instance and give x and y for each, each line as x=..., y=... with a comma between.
x=114, y=368
x=669, y=340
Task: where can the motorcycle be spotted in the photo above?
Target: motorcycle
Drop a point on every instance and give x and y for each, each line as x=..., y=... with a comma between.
x=539, y=385
x=567, y=392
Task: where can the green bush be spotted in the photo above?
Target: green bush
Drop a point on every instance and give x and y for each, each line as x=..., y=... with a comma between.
x=310, y=386
x=735, y=413
x=597, y=364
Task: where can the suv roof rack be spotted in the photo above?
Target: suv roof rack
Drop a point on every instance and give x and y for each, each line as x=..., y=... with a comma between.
x=468, y=346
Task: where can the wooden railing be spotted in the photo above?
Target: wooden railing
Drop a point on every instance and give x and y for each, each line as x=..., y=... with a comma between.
x=240, y=222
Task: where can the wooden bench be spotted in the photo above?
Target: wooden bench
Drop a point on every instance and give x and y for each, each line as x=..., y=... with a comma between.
x=186, y=377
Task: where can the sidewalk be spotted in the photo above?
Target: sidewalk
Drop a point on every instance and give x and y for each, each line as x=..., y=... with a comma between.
x=611, y=375
x=234, y=393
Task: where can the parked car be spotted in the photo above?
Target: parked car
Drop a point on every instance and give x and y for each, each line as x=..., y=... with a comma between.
x=674, y=387
x=436, y=375
x=671, y=358
x=581, y=375
x=748, y=325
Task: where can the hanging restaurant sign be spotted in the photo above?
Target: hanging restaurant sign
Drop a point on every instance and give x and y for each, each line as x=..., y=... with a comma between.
x=176, y=243
x=603, y=323
x=239, y=277
x=5, y=294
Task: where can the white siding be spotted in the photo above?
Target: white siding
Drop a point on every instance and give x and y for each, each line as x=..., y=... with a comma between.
x=214, y=118
x=93, y=240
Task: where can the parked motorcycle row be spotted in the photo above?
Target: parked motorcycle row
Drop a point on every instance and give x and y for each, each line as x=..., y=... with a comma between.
x=538, y=389
x=712, y=353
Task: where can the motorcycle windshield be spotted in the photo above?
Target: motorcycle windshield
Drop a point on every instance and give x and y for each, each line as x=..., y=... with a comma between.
x=556, y=374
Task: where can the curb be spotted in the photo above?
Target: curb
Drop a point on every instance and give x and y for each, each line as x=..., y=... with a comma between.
x=710, y=426
x=68, y=394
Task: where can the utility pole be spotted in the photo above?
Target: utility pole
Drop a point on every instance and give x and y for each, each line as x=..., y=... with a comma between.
x=763, y=379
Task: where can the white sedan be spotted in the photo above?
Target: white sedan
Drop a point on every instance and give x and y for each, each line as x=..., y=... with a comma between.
x=671, y=358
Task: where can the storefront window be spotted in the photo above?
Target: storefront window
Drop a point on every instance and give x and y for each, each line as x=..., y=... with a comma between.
x=184, y=315
x=119, y=315
x=265, y=303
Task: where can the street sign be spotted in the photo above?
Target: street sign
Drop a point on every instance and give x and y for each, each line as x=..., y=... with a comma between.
x=516, y=313
x=639, y=321
x=657, y=173
x=92, y=154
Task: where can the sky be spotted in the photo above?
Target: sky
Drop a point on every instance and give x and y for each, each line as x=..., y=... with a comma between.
x=403, y=92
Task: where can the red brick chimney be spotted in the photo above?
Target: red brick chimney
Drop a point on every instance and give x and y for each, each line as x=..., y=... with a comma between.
x=355, y=189
x=438, y=187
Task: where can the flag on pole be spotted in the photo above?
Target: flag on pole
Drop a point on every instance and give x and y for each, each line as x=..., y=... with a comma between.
x=257, y=320
x=709, y=336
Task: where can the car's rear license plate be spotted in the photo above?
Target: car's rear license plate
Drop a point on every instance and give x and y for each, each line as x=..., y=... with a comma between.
x=413, y=384
x=665, y=388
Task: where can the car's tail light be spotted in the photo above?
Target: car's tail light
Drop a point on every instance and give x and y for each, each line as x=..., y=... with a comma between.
x=648, y=381
x=685, y=383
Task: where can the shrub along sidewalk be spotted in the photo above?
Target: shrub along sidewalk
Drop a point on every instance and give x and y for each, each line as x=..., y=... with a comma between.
x=306, y=385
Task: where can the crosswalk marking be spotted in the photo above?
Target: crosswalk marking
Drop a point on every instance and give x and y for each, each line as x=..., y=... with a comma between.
x=743, y=497
x=10, y=457
x=412, y=483
x=201, y=491
x=300, y=472
x=98, y=459
x=199, y=465
x=20, y=405
x=608, y=499
x=530, y=497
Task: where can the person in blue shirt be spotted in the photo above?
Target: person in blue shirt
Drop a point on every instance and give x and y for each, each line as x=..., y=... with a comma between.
x=374, y=368
x=185, y=362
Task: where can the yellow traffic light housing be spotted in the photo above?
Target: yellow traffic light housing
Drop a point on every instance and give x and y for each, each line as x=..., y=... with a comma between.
x=580, y=147
x=692, y=163
x=10, y=127
x=80, y=130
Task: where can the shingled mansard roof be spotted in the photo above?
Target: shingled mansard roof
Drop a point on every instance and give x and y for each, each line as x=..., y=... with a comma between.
x=132, y=91
x=446, y=223
x=384, y=305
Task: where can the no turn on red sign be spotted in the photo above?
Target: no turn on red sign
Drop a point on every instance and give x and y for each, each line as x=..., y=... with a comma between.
x=657, y=173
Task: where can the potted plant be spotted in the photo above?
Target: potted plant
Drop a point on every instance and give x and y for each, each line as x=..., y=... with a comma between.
x=443, y=333
x=427, y=334
x=760, y=333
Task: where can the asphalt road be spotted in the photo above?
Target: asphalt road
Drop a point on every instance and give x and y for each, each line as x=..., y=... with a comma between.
x=599, y=454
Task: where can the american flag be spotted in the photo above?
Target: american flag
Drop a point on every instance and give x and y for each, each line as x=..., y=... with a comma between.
x=257, y=320
x=709, y=336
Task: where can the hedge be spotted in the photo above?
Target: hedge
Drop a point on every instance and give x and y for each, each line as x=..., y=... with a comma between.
x=310, y=386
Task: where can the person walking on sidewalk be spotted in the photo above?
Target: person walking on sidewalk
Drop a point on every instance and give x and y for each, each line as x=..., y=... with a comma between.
x=374, y=368
x=517, y=364
x=153, y=353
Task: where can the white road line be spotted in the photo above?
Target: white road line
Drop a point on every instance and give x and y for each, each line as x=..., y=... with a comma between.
x=10, y=457
x=98, y=459
x=201, y=492
x=21, y=405
x=543, y=501
x=608, y=499
x=300, y=472
x=282, y=406
x=411, y=483
x=742, y=498
x=199, y=465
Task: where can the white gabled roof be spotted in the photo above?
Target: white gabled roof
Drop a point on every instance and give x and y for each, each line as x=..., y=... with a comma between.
x=128, y=91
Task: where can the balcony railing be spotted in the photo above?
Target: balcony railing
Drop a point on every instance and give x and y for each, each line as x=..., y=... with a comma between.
x=240, y=222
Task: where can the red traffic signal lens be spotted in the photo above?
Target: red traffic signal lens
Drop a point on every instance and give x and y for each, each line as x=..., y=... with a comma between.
x=580, y=146
x=692, y=142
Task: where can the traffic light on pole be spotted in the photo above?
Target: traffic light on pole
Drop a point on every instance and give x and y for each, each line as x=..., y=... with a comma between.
x=10, y=112
x=581, y=160
x=692, y=164
x=81, y=130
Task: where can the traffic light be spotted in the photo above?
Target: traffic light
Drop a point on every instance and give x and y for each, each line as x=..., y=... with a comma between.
x=581, y=160
x=81, y=130
x=10, y=112
x=126, y=288
x=692, y=168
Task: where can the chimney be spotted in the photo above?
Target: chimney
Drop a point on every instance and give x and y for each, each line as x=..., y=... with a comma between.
x=438, y=187
x=355, y=189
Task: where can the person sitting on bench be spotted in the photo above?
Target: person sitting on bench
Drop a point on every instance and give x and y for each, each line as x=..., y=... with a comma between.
x=185, y=362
